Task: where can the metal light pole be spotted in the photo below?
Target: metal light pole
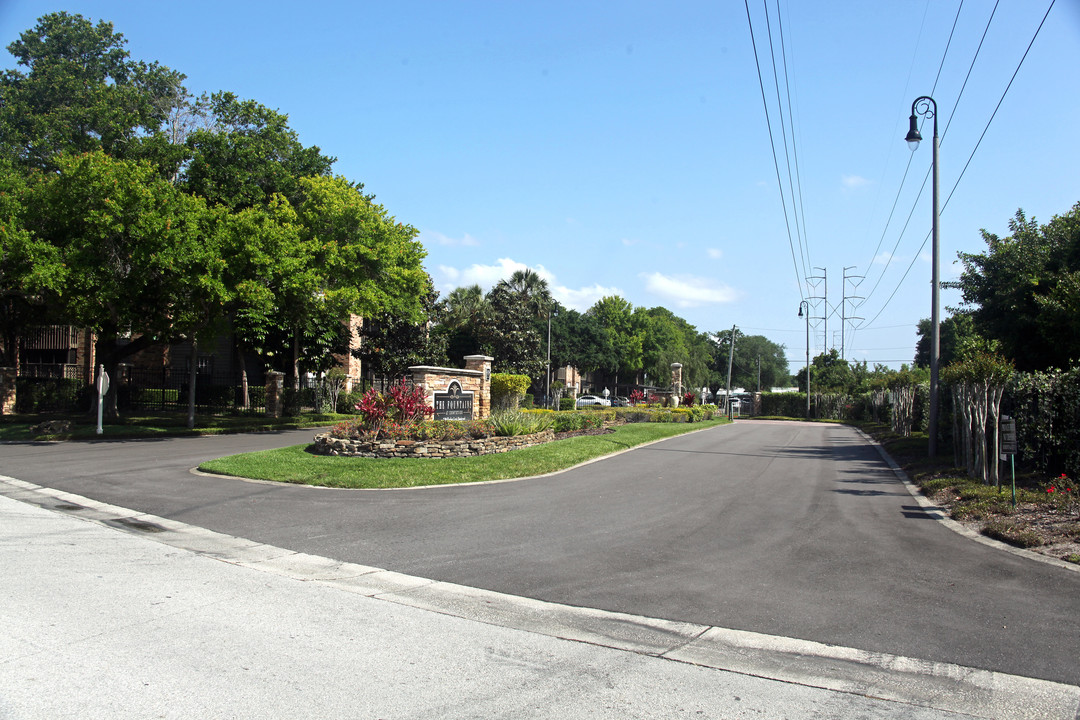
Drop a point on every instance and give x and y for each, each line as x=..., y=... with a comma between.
x=927, y=107
x=807, y=316
x=547, y=379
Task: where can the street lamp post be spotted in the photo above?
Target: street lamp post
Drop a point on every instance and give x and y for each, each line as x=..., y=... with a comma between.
x=807, y=316
x=927, y=107
x=547, y=377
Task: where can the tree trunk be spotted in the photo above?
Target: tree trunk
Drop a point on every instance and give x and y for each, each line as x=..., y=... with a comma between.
x=296, y=360
x=958, y=437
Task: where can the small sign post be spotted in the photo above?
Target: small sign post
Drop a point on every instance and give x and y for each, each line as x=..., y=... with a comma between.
x=102, y=388
x=1008, y=448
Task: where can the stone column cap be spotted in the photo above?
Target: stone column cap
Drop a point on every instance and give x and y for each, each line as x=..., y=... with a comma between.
x=444, y=371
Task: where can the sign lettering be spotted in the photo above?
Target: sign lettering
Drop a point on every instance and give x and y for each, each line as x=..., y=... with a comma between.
x=454, y=404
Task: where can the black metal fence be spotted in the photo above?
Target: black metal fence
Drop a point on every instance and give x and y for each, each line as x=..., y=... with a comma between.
x=66, y=388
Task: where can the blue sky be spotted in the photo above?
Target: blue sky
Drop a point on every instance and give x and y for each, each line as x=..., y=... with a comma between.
x=623, y=148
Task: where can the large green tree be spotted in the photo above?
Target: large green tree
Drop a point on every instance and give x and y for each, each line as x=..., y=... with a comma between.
x=78, y=90
x=755, y=356
x=622, y=341
x=829, y=373
x=352, y=258
x=129, y=256
x=246, y=154
x=577, y=340
x=1024, y=290
x=391, y=344
x=513, y=337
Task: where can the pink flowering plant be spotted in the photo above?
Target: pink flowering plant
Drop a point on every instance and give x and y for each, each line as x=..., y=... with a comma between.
x=636, y=397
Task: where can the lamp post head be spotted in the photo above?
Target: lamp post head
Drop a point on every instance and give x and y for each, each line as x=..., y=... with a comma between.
x=800, y=309
x=914, y=137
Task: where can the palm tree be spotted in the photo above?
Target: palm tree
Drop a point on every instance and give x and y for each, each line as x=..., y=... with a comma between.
x=532, y=288
x=464, y=307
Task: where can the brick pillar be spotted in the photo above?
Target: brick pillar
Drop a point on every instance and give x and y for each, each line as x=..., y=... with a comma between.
x=7, y=391
x=275, y=389
x=482, y=404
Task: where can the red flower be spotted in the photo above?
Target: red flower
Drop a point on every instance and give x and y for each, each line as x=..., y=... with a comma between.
x=1052, y=489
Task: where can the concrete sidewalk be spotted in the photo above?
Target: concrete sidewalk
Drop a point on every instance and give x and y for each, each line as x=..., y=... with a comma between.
x=105, y=613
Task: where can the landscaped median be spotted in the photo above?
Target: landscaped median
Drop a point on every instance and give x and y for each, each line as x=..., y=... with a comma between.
x=299, y=465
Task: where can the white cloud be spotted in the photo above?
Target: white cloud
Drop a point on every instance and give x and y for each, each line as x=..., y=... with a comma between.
x=487, y=276
x=584, y=298
x=852, y=182
x=689, y=291
x=430, y=237
x=715, y=253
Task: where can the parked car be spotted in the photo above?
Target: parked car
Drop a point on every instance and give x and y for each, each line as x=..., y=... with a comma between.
x=620, y=401
x=586, y=400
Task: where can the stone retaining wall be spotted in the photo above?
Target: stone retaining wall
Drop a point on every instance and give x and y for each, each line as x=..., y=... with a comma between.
x=325, y=444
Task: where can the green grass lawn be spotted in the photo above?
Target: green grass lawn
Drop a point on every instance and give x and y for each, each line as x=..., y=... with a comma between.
x=296, y=465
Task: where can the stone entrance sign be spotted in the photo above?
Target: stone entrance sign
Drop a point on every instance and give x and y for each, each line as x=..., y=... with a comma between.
x=466, y=393
x=454, y=404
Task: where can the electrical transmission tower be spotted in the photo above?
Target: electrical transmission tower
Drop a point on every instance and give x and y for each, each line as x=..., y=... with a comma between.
x=819, y=312
x=855, y=281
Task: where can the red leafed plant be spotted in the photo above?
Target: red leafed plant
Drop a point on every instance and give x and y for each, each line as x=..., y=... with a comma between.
x=636, y=397
x=401, y=406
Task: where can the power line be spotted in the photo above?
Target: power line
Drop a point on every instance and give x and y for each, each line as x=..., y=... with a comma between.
x=903, y=180
x=794, y=144
x=772, y=144
x=977, y=144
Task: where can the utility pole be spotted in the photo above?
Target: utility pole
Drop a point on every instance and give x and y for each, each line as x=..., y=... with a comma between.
x=730, y=359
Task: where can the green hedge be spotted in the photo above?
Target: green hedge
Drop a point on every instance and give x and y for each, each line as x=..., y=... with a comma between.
x=784, y=404
x=1046, y=406
x=507, y=389
x=34, y=395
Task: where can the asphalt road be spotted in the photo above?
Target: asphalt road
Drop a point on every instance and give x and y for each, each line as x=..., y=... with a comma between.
x=791, y=529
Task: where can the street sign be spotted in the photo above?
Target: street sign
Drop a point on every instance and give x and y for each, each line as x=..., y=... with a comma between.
x=1008, y=435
